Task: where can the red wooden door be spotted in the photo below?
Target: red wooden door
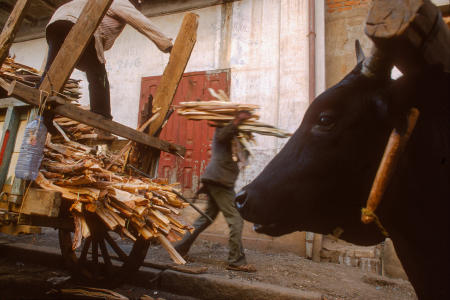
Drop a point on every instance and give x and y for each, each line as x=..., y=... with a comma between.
x=196, y=136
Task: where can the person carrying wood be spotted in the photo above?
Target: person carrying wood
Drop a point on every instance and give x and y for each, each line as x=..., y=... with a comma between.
x=92, y=62
x=218, y=183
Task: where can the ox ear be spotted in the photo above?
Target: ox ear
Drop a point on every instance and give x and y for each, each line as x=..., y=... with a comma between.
x=359, y=52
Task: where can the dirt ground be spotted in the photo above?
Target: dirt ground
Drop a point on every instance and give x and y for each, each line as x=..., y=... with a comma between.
x=287, y=270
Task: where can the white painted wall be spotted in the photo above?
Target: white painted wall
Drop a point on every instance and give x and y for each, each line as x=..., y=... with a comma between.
x=268, y=62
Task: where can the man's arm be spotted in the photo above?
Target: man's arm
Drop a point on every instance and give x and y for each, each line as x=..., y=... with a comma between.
x=231, y=130
x=130, y=15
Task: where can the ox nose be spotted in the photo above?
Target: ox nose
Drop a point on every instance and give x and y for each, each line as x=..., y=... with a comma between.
x=241, y=199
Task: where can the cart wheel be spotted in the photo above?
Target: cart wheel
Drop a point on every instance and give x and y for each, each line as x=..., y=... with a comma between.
x=93, y=259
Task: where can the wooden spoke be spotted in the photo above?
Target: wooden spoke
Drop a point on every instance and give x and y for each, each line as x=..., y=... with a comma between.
x=122, y=255
x=105, y=254
x=84, y=252
x=94, y=251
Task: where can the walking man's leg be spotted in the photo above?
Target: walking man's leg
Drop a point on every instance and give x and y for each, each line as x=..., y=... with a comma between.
x=224, y=198
x=200, y=224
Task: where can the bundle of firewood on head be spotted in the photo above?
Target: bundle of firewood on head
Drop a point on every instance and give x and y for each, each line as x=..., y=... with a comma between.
x=220, y=112
x=132, y=206
x=11, y=70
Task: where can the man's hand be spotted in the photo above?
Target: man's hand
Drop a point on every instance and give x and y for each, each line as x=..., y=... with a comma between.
x=241, y=117
x=169, y=48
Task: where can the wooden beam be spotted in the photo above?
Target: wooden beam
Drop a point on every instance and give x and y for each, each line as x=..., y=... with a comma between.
x=74, y=45
x=165, y=92
x=33, y=96
x=174, y=70
x=11, y=27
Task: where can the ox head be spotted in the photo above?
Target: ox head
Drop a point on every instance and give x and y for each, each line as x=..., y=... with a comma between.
x=321, y=179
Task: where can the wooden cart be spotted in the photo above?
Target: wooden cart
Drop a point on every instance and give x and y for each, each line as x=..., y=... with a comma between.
x=21, y=210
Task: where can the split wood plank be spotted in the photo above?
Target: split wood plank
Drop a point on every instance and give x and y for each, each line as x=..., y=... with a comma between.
x=11, y=27
x=33, y=96
x=179, y=57
x=165, y=92
x=74, y=45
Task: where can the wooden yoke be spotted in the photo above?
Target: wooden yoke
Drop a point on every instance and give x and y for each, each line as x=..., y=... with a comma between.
x=411, y=32
x=412, y=35
x=11, y=27
x=74, y=45
x=165, y=92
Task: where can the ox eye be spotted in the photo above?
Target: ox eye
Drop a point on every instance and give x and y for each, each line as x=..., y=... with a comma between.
x=325, y=122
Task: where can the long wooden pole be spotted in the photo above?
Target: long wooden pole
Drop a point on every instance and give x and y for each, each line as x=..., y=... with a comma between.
x=61, y=107
x=392, y=153
x=11, y=27
x=165, y=92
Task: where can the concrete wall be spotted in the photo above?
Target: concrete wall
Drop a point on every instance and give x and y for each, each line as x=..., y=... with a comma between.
x=265, y=45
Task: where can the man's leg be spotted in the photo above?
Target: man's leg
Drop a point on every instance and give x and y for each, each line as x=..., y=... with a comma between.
x=97, y=77
x=200, y=224
x=224, y=198
x=55, y=34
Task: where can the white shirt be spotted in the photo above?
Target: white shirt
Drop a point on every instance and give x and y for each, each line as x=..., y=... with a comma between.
x=120, y=13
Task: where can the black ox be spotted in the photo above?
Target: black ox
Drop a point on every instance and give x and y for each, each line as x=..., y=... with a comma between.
x=321, y=179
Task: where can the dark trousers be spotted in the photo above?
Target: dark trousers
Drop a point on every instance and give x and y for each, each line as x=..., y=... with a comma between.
x=220, y=199
x=95, y=70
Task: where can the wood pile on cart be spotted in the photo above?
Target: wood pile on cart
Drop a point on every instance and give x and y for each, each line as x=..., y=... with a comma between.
x=12, y=70
x=133, y=206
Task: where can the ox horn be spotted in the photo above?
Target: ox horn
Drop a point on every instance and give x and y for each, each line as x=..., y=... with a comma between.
x=377, y=65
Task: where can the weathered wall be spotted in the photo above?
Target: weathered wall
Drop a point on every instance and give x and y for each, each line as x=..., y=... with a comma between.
x=269, y=61
x=344, y=21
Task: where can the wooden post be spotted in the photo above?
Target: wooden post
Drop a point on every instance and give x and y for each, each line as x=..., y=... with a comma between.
x=171, y=77
x=412, y=33
x=8, y=140
x=74, y=45
x=11, y=27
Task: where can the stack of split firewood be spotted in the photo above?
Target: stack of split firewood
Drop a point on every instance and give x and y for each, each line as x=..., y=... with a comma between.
x=129, y=205
x=221, y=111
x=11, y=70
x=76, y=131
